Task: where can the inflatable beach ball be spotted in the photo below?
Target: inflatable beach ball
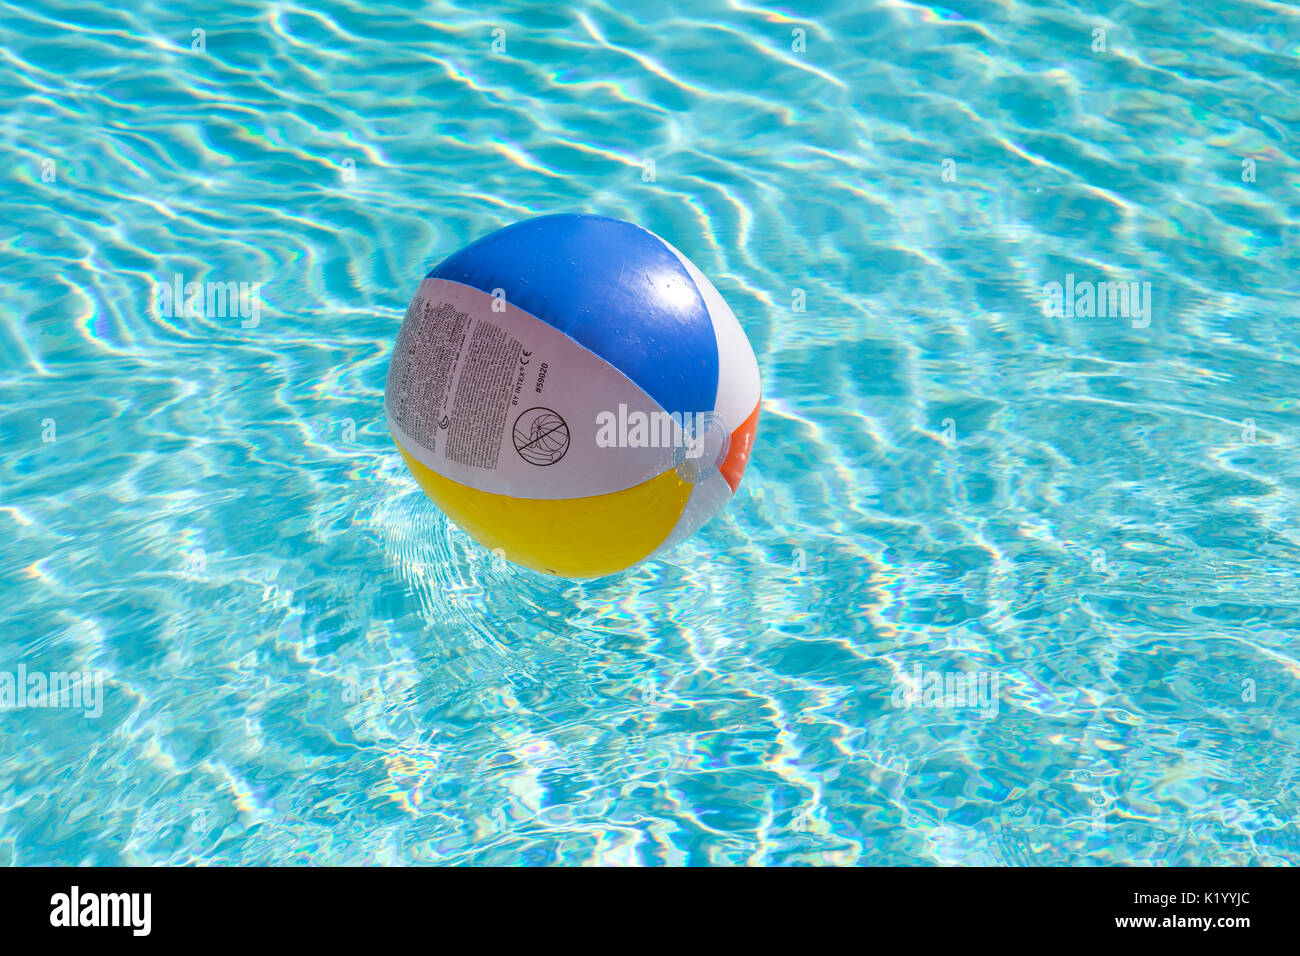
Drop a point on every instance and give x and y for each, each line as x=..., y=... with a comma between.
x=574, y=394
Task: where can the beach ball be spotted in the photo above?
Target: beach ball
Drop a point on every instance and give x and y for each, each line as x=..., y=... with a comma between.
x=573, y=393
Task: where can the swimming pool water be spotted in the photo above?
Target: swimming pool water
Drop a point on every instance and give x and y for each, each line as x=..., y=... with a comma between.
x=1008, y=581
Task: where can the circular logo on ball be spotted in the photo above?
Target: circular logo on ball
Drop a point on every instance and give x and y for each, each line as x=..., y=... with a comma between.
x=541, y=436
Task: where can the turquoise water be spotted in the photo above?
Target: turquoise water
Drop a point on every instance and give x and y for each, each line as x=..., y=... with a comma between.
x=1097, y=518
